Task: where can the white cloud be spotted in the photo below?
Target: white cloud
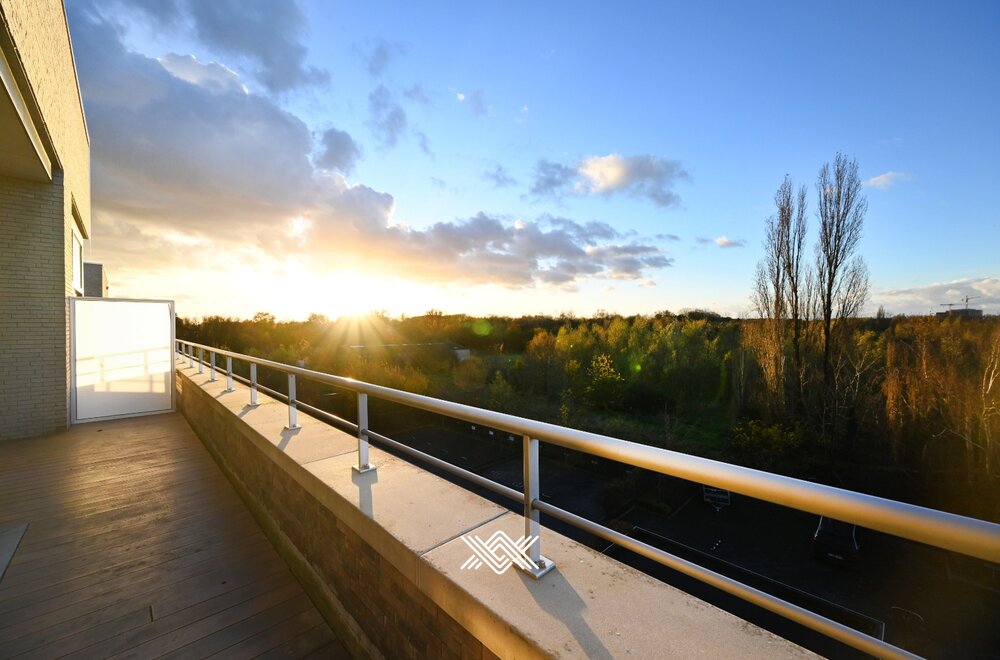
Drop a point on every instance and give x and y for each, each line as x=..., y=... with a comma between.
x=648, y=177
x=885, y=181
x=983, y=293
x=726, y=242
x=460, y=96
x=216, y=78
x=265, y=36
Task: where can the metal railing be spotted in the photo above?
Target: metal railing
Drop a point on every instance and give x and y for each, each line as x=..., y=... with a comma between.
x=948, y=531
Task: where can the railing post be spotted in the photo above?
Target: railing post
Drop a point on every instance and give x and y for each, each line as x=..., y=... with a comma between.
x=293, y=412
x=253, y=384
x=363, y=463
x=191, y=356
x=532, y=529
x=201, y=360
x=229, y=373
x=212, y=370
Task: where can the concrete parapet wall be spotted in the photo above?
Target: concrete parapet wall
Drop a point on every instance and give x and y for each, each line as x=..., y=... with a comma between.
x=380, y=553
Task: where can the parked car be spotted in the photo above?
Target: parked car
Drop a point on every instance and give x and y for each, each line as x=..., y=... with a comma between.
x=836, y=541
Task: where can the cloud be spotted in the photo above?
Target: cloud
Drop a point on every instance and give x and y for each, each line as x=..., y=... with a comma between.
x=417, y=94
x=647, y=177
x=667, y=237
x=722, y=241
x=379, y=56
x=267, y=35
x=885, y=181
x=983, y=292
x=339, y=151
x=386, y=117
x=425, y=143
x=460, y=96
x=216, y=78
x=163, y=145
x=499, y=177
x=726, y=242
x=186, y=171
x=552, y=179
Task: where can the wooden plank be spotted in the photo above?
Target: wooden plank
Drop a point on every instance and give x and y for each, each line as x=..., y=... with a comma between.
x=41, y=490
x=246, y=627
x=190, y=641
x=131, y=500
x=89, y=636
x=316, y=638
x=139, y=546
x=267, y=639
x=235, y=591
x=85, y=571
x=10, y=538
x=123, y=536
x=335, y=650
x=16, y=614
x=136, y=514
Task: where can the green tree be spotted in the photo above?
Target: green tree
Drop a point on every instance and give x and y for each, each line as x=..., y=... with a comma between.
x=605, y=387
x=501, y=394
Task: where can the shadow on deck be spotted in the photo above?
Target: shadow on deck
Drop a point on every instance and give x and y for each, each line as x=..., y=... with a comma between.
x=137, y=546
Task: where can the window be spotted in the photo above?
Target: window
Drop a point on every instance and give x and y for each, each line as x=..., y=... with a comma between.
x=77, y=264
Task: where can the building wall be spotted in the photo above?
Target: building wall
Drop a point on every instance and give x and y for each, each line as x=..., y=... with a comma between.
x=43, y=52
x=37, y=222
x=33, y=325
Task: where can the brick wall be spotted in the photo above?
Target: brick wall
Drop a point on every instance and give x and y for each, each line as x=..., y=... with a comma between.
x=36, y=271
x=37, y=221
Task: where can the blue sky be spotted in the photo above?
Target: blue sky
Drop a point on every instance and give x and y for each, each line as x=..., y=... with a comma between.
x=668, y=126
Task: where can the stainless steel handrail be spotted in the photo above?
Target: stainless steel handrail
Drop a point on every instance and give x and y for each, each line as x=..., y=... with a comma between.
x=949, y=531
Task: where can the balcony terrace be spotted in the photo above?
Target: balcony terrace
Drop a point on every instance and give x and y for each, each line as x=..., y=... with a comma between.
x=125, y=539
x=136, y=545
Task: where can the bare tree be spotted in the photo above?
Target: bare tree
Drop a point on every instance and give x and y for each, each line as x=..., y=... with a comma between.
x=768, y=339
x=792, y=217
x=841, y=274
x=779, y=290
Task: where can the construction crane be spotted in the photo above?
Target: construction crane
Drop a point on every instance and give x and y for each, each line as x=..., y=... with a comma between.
x=948, y=305
x=968, y=298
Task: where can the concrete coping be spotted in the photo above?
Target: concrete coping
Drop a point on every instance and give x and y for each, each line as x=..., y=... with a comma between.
x=590, y=605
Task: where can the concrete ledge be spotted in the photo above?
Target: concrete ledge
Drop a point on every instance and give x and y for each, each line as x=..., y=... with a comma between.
x=380, y=553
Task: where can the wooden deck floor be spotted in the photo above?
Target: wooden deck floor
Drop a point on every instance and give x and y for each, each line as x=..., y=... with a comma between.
x=137, y=546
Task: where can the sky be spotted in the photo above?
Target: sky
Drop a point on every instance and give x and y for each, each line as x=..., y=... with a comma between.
x=520, y=158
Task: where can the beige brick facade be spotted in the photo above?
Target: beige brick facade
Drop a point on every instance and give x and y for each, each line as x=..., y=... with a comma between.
x=37, y=221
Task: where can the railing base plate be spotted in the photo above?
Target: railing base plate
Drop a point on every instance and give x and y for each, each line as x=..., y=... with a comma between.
x=544, y=566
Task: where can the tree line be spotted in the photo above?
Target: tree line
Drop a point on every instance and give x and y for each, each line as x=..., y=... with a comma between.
x=917, y=395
